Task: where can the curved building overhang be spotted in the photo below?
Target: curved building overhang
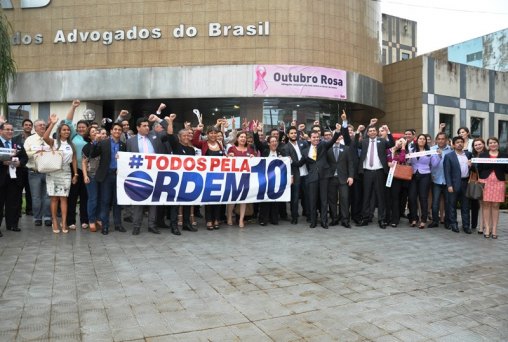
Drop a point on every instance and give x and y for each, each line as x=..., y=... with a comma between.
x=217, y=81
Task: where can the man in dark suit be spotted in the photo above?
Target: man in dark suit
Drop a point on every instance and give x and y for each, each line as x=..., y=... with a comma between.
x=147, y=141
x=340, y=160
x=374, y=166
x=106, y=173
x=456, y=167
x=299, y=172
x=319, y=172
x=11, y=186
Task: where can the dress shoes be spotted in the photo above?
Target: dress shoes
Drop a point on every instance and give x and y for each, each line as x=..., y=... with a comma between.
x=188, y=228
x=334, y=223
x=135, y=231
x=294, y=221
x=154, y=230
x=455, y=229
x=467, y=230
x=262, y=224
x=345, y=224
x=120, y=229
x=312, y=225
x=47, y=223
x=14, y=229
x=363, y=223
x=324, y=225
x=433, y=225
x=38, y=223
x=382, y=224
x=274, y=223
x=357, y=221
x=105, y=231
x=162, y=225
x=127, y=219
x=175, y=231
x=1, y=234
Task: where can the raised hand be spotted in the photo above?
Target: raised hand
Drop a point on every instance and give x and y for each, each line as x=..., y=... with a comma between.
x=123, y=113
x=200, y=127
x=373, y=122
x=153, y=118
x=187, y=125
x=361, y=128
x=162, y=106
x=172, y=117
x=53, y=118
x=76, y=103
x=343, y=116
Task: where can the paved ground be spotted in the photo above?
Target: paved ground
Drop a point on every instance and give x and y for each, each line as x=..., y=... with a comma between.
x=283, y=283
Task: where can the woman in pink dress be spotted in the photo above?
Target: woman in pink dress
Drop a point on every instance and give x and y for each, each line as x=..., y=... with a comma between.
x=493, y=176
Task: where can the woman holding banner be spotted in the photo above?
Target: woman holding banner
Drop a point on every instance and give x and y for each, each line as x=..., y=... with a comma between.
x=420, y=184
x=210, y=147
x=395, y=155
x=493, y=176
x=239, y=149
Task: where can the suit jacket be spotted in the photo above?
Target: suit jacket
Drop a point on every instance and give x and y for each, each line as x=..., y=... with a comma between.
x=288, y=150
x=319, y=168
x=103, y=149
x=343, y=165
x=451, y=169
x=23, y=159
x=157, y=139
x=500, y=170
x=382, y=146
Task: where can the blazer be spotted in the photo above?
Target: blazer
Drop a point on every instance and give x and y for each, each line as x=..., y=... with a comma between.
x=288, y=150
x=319, y=168
x=451, y=168
x=382, y=146
x=344, y=165
x=203, y=145
x=103, y=149
x=500, y=170
x=23, y=159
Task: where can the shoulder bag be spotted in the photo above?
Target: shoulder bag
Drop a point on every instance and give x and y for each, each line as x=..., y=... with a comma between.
x=474, y=187
x=403, y=172
x=48, y=161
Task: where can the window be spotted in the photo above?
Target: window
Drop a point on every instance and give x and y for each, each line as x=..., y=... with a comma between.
x=476, y=127
x=18, y=113
x=502, y=129
x=448, y=120
x=477, y=56
x=404, y=56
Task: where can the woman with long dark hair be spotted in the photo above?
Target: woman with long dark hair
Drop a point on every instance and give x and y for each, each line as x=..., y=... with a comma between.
x=420, y=184
x=59, y=182
x=493, y=176
x=210, y=147
x=476, y=205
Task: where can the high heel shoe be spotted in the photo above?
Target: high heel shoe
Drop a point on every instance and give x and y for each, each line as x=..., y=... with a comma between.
x=422, y=225
x=241, y=224
x=209, y=226
x=193, y=221
x=55, y=229
x=413, y=224
x=65, y=229
x=92, y=228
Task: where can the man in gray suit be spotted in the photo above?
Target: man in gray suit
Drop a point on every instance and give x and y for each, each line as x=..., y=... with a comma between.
x=146, y=141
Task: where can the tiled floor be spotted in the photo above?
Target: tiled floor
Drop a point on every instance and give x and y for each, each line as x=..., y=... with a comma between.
x=273, y=283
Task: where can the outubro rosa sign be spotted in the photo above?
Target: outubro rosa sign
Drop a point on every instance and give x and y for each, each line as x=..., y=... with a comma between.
x=298, y=80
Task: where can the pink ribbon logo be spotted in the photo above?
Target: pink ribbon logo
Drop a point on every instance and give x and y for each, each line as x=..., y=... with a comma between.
x=260, y=79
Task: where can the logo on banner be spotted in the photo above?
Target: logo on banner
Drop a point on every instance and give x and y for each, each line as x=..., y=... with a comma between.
x=7, y=4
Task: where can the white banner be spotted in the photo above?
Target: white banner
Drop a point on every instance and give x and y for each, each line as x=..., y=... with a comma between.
x=420, y=154
x=489, y=160
x=389, y=180
x=162, y=179
x=8, y=151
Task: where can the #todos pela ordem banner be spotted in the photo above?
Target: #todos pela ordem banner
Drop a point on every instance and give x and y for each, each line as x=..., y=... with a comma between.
x=155, y=179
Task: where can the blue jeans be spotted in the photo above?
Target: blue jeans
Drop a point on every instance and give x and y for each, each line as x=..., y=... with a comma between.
x=437, y=191
x=108, y=199
x=40, y=198
x=453, y=198
x=93, y=204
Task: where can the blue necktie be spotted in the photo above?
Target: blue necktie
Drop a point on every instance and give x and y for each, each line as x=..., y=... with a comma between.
x=7, y=144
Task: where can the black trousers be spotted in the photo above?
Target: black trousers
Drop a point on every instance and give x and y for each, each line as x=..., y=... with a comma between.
x=340, y=192
x=356, y=195
x=393, y=200
x=374, y=186
x=28, y=194
x=212, y=212
x=269, y=212
x=78, y=190
x=419, y=188
x=10, y=200
x=317, y=192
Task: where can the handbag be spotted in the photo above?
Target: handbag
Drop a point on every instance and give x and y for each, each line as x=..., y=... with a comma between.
x=403, y=172
x=48, y=161
x=474, y=187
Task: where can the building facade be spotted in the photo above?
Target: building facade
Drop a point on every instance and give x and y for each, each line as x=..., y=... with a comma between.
x=268, y=60
x=399, y=39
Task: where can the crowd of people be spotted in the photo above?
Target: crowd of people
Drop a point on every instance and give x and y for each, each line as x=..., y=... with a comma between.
x=337, y=176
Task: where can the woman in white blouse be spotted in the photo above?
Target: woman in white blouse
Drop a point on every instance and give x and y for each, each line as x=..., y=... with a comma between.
x=59, y=182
